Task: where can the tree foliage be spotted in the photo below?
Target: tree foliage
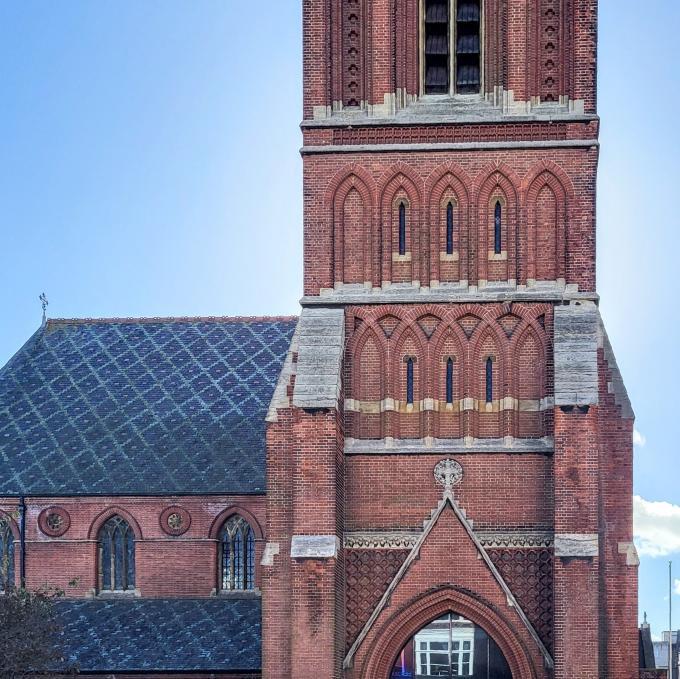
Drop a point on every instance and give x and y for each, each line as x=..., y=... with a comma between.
x=29, y=634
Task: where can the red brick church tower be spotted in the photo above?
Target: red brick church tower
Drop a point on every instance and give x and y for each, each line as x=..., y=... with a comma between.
x=449, y=447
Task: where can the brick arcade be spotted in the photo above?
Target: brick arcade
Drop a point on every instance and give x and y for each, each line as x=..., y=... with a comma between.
x=446, y=436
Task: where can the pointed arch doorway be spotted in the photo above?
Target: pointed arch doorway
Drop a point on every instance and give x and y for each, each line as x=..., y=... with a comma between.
x=516, y=657
x=451, y=646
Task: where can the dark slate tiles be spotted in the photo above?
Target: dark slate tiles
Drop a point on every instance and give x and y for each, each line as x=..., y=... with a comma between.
x=140, y=407
x=161, y=635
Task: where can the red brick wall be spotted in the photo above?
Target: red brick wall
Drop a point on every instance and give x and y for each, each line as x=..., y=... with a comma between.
x=448, y=562
x=533, y=48
x=499, y=491
x=166, y=566
x=540, y=199
x=516, y=336
x=619, y=580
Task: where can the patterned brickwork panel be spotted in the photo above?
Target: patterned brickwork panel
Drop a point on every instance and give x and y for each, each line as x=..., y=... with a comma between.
x=140, y=407
x=529, y=574
x=550, y=46
x=352, y=22
x=369, y=573
x=161, y=635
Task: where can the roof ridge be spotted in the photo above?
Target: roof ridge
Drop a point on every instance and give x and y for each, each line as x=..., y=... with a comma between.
x=26, y=346
x=165, y=319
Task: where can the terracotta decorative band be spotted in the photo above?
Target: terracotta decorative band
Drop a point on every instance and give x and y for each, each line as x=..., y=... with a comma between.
x=383, y=540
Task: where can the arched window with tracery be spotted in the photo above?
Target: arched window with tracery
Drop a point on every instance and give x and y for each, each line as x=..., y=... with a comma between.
x=237, y=555
x=6, y=555
x=116, y=556
x=449, y=647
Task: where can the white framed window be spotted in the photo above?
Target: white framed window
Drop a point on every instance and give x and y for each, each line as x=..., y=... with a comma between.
x=451, y=52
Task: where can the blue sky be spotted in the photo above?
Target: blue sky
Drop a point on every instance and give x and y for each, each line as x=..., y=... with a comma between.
x=149, y=167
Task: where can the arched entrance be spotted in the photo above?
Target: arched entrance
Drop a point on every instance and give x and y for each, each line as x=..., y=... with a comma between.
x=447, y=647
x=459, y=616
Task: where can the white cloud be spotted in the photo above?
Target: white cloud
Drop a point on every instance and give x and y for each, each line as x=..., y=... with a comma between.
x=657, y=527
x=677, y=586
x=639, y=439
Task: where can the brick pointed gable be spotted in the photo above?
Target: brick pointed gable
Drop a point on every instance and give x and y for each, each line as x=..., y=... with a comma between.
x=448, y=540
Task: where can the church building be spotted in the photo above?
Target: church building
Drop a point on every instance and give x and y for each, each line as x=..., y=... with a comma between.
x=428, y=473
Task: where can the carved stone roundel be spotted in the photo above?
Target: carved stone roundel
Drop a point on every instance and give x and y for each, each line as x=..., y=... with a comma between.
x=448, y=473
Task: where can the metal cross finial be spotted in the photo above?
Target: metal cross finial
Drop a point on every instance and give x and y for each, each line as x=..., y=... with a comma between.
x=45, y=303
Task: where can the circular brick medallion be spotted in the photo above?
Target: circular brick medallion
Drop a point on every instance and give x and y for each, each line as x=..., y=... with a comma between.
x=448, y=473
x=54, y=521
x=175, y=520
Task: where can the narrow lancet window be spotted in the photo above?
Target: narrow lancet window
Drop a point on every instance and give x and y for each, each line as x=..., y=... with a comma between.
x=489, y=380
x=449, y=229
x=402, y=229
x=409, y=381
x=6, y=556
x=116, y=556
x=449, y=381
x=498, y=229
x=237, y=555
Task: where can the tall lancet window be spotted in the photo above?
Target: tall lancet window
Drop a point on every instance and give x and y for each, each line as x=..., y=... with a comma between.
x=449, y=229
x=449, y=381
x=402, y=229
x=237, y=555
x=498, y=229
x=489, y=380
x=409, y=381
x=452, y=47
x=6, y=556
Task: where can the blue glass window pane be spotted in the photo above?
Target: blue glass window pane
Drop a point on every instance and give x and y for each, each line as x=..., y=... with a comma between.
x=409, y=381
x=226, y=562
x=105, y=551
x=498, y=224
x=238, y=561
x=130, y=560
x=402, y=229
x=119, y=556
x=250, y=559
x=449, y=229
x=489, y=380
x=449, y=381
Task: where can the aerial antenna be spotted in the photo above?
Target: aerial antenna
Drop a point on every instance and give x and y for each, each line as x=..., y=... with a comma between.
x=45, y=303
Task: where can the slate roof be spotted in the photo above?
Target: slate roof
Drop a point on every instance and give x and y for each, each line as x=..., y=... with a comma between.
x=161, y=635
x=137, y=407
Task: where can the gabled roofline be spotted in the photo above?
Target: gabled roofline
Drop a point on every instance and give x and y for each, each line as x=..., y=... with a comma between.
x=449, y=500
x=27, y=345
x=168, y=319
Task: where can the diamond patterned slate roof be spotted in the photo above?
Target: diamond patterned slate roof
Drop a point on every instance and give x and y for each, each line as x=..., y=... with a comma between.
x=161, y=635
x=154, y=406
